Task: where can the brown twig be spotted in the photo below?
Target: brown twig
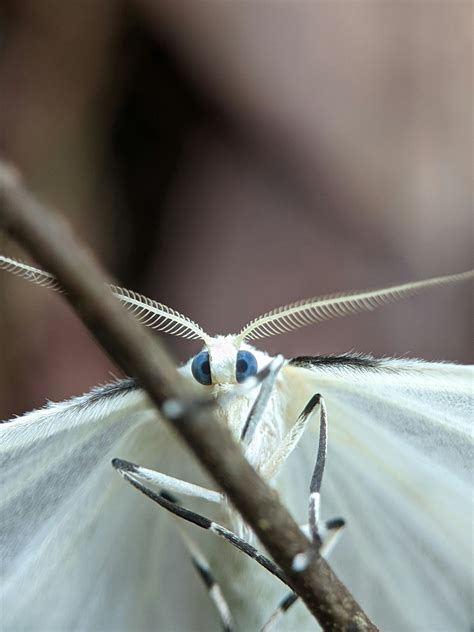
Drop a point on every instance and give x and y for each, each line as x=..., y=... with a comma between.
x=52, y=243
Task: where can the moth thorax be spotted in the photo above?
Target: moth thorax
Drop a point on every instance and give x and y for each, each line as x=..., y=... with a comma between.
x=223, y=358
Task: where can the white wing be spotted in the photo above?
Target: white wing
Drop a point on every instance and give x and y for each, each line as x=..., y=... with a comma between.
x=400, y=466
x=79, y=548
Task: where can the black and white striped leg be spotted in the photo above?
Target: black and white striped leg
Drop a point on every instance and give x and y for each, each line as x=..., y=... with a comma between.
x=197, y=558
x=292, y=438
x=329, y=534
x=284, y=605
x=207, y=577
x=200, y=521
x=302, y=560
x=169, y=483
x=323, y=536
x=317, y=477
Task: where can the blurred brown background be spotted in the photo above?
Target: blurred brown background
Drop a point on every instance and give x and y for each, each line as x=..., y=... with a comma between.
x=228, y=157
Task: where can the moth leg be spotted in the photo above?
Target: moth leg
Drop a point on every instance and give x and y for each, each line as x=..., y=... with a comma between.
x=267, y=377
x=301, y=561
x=329, y=533
x=169, y=483
x=205, y=573
x=284, y=605
x=291, y=440
x=317, y=477
x=282, y=453
x=203, y=522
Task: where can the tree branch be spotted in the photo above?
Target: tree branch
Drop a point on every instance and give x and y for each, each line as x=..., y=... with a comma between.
x=52, y=243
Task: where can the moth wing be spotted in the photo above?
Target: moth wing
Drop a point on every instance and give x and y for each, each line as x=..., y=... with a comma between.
x=399, y=470
x=80, y=549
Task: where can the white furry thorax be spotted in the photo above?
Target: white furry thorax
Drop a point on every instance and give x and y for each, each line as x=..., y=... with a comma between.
x=234, y=410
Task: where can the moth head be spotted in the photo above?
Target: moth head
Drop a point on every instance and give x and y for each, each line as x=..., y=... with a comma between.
x=225, y=360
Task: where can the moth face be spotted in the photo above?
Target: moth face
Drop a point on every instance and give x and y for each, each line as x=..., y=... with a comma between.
x=223, y=362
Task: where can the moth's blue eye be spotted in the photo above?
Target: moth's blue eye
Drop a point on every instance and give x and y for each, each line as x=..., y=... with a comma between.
x=246, y=365
x=201, y=369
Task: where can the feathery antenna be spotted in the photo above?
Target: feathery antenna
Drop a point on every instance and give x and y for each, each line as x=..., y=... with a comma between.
x=313, y=310
x=148, y=312
x=30, y=273
x=278, y=321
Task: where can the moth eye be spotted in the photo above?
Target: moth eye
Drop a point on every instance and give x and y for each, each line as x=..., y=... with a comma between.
x=246, y=365
x=201, y=368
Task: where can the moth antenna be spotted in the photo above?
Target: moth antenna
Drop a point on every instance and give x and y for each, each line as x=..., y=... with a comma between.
x=157, y=316
x=30, y=273
x=148, y=312
x=313, y=310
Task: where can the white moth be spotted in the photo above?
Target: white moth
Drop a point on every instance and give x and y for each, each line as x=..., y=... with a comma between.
x=82, y=550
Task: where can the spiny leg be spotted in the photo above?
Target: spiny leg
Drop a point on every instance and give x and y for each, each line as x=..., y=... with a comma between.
x=317, y=477
x=290, y=441
x=205, y=573
x=302, y=560
x=202, y=522
x=197, y=558
x=284, y=605
x=214, y=590
x=280, y=456
x=323, y=537
x=329, y=535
